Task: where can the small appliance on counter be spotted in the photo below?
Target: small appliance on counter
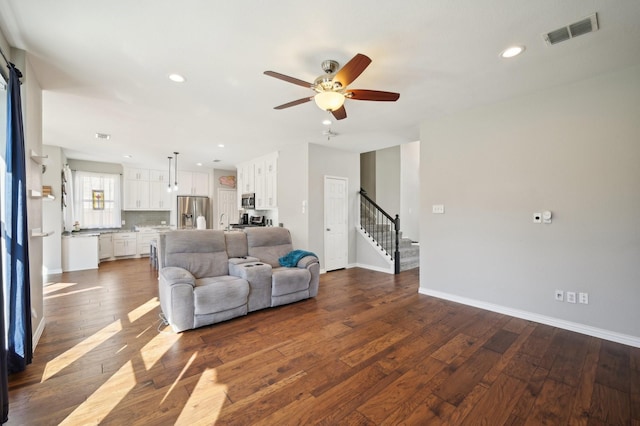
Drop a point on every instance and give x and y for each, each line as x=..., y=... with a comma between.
x=244, y=219
x=257, y=221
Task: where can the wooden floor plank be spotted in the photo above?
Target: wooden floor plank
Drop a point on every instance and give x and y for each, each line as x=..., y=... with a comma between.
x=368, y=350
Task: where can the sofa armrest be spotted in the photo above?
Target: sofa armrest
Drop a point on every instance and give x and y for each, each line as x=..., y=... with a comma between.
x=307, y=261
x=258, y=274
x=313, y=265
x=173, y=275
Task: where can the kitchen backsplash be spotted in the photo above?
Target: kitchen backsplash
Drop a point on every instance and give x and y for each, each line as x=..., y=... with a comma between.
x=144, y=218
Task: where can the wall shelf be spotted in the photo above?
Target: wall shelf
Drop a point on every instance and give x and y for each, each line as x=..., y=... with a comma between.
x=37, y=194
x=37, y=232
x=37, y=157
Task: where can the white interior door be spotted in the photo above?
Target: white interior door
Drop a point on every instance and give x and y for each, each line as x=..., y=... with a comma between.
x=227, y=208
x=336, y=238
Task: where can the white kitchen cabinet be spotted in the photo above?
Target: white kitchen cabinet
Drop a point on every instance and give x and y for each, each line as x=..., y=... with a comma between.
x=159, y=176
x=105, y=246
x=193, y=183
x=258, y=183
x=146, y=189
x=144, y=242
x=125, y=244
x=159, y=197
x=260, y=176
x=245, y=175
x=136, y=195
x=79, y=252
x=131, y=173
x=271, y=181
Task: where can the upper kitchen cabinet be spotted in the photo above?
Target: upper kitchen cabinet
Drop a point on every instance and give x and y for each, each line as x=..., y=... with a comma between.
x=146, y=189
x=260, y=176
x=193, y=183
x=245, y=176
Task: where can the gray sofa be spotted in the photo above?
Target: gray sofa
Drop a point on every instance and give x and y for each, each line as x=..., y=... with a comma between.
x=209, y=276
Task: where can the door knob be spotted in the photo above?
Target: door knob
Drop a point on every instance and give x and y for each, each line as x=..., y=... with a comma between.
x=328, y=229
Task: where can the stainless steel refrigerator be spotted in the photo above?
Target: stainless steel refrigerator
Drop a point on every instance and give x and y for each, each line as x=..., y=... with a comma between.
x=189, y=209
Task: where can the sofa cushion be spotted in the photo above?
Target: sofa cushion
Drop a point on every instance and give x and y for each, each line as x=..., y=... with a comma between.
x=268, y=244
x=201, y=252
x=289, y=280
x=236, y=244
x=217, y=294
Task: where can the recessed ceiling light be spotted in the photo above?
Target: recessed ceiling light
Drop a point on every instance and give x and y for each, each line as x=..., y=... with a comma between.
x=176, y=78
x=128, y=156
x=220, y=145
x=326, y=122
x=103, y=136
x=198, y=164
x=512, y=51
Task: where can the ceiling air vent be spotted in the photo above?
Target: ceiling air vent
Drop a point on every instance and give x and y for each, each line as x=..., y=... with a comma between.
x=587, y=25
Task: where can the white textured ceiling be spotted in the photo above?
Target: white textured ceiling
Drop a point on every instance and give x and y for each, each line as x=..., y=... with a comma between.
x=103, y=66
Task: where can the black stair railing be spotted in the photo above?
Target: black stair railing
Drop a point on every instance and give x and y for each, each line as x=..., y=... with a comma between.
x=381, y=227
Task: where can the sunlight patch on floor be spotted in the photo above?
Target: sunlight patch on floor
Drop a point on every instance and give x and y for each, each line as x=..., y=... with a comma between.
x=100, y=403
x=157, y=347
x=142, y=310
x=57, y=364
x=205, y=402
x=175, y=382
x=53, y=286
x=69, y=293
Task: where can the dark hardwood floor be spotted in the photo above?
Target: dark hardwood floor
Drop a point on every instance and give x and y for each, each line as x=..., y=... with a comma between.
x=368, y=350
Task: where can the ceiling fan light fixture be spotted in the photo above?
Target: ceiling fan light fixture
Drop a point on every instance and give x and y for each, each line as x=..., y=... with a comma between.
x=329, y=101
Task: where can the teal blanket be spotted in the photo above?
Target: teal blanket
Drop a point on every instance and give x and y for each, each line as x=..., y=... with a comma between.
x=292, y=258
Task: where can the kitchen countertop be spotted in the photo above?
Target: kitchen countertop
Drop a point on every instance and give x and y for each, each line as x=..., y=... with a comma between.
x=97, y=232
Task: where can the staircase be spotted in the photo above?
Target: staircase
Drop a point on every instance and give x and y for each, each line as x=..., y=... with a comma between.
x=384, y=230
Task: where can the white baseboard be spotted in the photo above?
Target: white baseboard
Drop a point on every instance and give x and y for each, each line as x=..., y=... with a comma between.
x=371, y=267
x=600, y=333
x=51, y=272
x=36, y=336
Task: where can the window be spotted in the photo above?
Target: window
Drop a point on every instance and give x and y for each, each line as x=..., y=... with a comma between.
x=97, y=200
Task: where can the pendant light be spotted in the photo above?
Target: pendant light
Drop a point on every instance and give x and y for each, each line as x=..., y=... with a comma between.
x=169, y=178
x=175, y=182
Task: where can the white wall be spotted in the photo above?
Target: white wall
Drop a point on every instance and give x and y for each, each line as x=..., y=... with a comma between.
x=410, y=190
x=388, y=179
x=52, y=211
x=573, y=150
x=293, y=190
x=32, y=121
x=325, y=161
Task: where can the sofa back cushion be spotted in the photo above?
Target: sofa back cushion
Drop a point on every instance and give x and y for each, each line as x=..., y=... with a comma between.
x=236, y=244
x=268, y=244
x=201, y=252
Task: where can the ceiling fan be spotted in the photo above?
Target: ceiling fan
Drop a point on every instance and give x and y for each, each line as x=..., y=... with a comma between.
x=331, y=87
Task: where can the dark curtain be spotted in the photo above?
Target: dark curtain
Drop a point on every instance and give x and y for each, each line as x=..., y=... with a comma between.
x=17, y=284
x=4, y=380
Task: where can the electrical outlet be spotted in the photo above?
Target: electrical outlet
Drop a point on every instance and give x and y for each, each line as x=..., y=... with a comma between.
x=571, y=297
x=163, y=222
x=583, y=298
x=123, y=222
x=559, y=296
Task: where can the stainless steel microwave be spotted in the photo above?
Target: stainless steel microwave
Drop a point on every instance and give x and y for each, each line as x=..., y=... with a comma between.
x=249, y=201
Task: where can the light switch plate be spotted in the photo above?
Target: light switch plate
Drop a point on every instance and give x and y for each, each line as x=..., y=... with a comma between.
x=437, y=209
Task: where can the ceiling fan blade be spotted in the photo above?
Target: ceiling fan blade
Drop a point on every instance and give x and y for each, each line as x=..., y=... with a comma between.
x=288, y=79
x=294, y=103
x=352, y=69
x=340, y=113
x=372, y=95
